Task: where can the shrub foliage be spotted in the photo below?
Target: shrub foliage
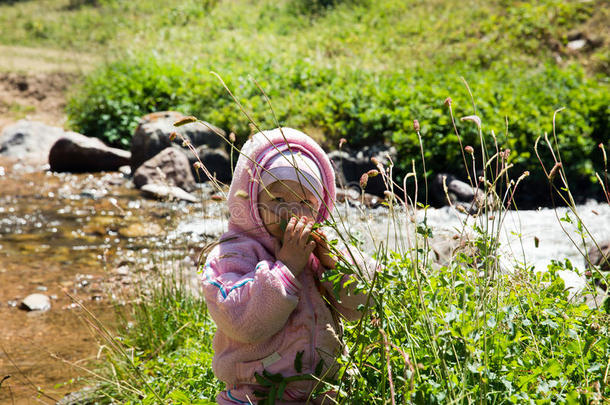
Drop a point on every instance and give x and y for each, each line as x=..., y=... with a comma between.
x=366, y=108
x=430, y=336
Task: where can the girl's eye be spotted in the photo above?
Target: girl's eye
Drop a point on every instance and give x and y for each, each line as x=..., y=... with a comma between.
x=279, y=199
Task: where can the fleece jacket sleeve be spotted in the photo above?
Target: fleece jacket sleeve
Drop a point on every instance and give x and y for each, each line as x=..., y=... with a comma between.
x=254, y=306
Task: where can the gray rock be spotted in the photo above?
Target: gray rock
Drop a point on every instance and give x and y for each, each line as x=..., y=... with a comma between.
x=577, y=44
x=93, y=193
x=167, y=192
x=598, y=299
x=356, y=198
x=84, y=396
x=169, y=167
x=36, y=302
x=125, y=170
x=77, y=153
x=458, y=192
x=215, y=160
x=446, y=246
x=582, y=42
x=599, y=262
x=153, y=132
x=351, y=165
x=29, y=139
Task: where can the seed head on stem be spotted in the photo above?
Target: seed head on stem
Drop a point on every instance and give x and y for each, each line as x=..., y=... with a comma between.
x=185, y=120
x=364, y=179
x=473, y=118
x=554, y=170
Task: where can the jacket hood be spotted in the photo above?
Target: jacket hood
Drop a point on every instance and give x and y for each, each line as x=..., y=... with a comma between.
x=255, y=155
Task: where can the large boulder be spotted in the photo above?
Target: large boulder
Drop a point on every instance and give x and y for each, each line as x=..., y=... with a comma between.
x=29, y=140
x=77, y=153
x=351, y=165
x=170, y=167
x=215, y=160
x=153, y=135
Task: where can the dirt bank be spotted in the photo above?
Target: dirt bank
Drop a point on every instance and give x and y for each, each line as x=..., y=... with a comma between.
x=37, y=96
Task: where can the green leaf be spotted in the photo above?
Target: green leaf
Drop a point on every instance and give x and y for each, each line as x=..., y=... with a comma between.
x=276, y=378
x=280, y=389
x=180, y=397
x=553, y=368
x=319, y=368
x=298, y=361
x=262, y=380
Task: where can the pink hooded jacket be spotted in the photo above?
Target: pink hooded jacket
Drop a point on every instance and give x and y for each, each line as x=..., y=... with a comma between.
x=264, y=315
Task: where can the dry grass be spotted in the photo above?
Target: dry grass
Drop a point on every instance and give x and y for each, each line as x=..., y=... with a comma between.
x=23, y=59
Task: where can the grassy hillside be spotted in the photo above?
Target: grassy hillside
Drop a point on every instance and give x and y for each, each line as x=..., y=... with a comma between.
x=373, y=35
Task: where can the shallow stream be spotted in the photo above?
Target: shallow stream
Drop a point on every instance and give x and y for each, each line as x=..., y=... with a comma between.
x=85, y=237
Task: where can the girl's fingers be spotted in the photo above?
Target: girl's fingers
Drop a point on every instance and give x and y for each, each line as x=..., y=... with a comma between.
x=290, y=229
x=321, y=242
x=306, y=232
x=310, y=247
x=298, y=228
x=316, y=237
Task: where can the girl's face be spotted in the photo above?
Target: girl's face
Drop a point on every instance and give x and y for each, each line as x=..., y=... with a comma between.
x=283, y=200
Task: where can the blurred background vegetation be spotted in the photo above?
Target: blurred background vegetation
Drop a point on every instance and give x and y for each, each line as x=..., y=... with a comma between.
x=358, y=69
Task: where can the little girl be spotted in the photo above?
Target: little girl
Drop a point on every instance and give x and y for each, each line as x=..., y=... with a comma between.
x=261, y=281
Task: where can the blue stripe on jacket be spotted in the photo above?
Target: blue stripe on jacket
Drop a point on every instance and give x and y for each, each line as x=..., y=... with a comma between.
x=223, y=290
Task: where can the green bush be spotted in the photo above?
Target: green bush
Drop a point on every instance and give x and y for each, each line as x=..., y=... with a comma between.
x=115, y=97
x=367, y=108
x=517, y=339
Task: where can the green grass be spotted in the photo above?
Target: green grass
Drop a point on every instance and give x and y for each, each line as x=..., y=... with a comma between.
x=162, y=350
x=378, y=36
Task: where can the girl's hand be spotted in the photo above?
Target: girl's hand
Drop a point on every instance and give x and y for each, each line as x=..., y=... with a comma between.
x=322, y=250
x=296, y=248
